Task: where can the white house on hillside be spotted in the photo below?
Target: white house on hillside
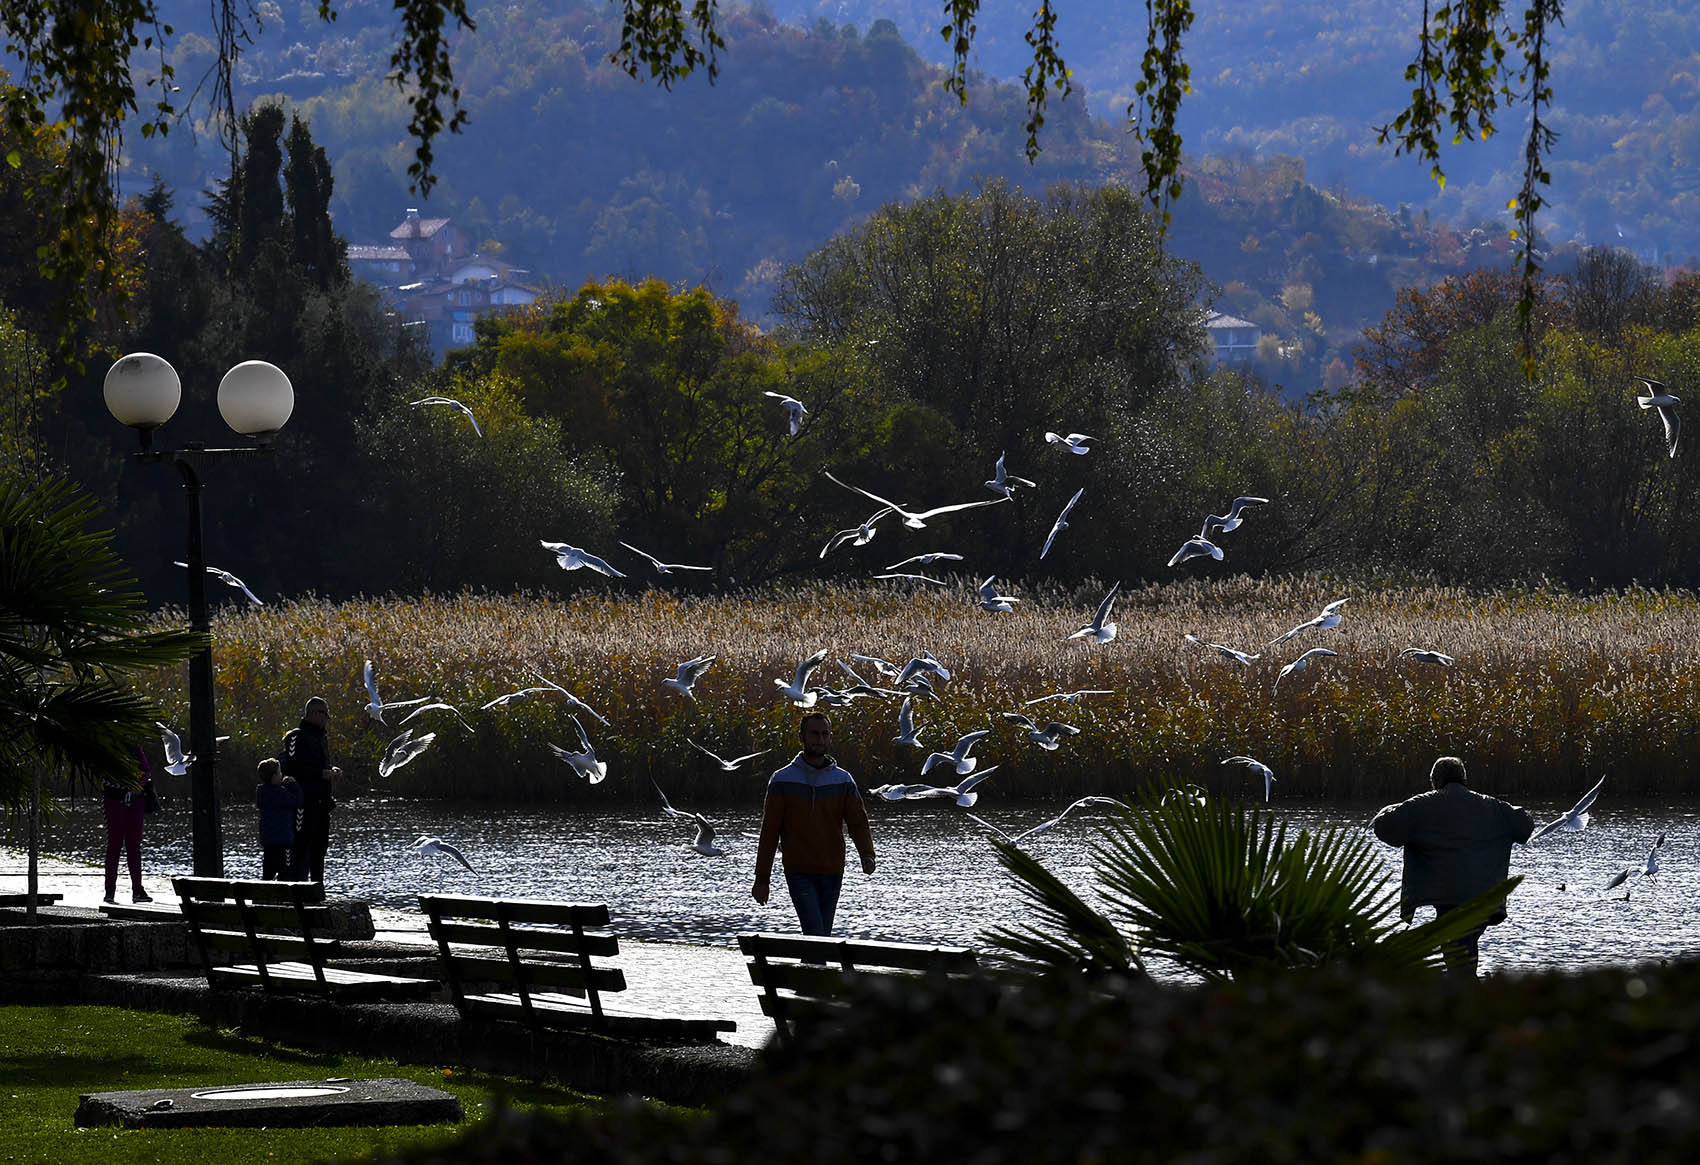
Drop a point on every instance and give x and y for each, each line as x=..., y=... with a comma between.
x=1232, y=338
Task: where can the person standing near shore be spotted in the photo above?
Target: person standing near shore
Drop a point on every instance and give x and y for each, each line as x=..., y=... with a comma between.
x=306, y=756
x=811, y=804
x=125, y=808
x=1457, y=845
x=278, y=797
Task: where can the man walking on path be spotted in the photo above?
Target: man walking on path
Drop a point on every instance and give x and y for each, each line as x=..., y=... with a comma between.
x=306, y=756
x=811, y=803
x=1457, y=845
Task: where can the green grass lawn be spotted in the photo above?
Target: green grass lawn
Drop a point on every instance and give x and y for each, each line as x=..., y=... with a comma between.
x=50, y=1056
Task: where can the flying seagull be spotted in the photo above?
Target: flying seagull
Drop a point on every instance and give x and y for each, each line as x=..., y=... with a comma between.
x=1239, y=657
x=990, y=600
x=1573, y=819
x=573, y=702
x=1257, y=767
x=583, y=762
x=798, y=690
x=375, y=705
x=177, y=761
x=689, y=673
x=1330, y=618
x=229, y=580
x=793, y=406
x=926, y=578
x=438, y=707
x=1044, y=825
x=1299, y=663
x=1073, y=697
x=452, y=403
x=403, y=749
x=726, y=766
x=925, y=560
x=922, y=663
x=661, y=567
x=962, y=792
x=958, y=757
x=1061, y=523
x=1230, y=520
x=572, y=558
x=1423, y=655
x=1196, y=548
x=915, y=520
x=1003, y=483
x=1658, y=398
x=504, y=700
x=1047, y=737
x=1648, y=867
x=1073, y=443
x=906, y=725
x=703, y=843
x=856, y=535
x=1098, y=630
x=427, y=847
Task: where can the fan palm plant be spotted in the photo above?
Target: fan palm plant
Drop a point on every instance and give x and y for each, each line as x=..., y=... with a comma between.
x=1222, y=889
x=73, y=631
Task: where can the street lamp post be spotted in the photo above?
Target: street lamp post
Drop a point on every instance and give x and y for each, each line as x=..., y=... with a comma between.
x=255, y=398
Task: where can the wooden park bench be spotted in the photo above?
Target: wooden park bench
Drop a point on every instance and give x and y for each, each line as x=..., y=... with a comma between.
x=534, y=961
x=271, y=925
x=22, y=898
x=805, y=976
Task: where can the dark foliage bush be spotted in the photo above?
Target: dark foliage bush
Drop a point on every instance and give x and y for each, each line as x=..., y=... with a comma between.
x=1317, y=1067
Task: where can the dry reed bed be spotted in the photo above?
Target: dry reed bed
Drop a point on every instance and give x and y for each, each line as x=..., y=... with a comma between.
x=1548, y=688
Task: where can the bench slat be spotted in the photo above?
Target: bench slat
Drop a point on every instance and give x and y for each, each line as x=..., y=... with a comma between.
x=568, y=975
x=907, y=956
x=479, y=934
x=568, y=1013
x=537, y=910
x=342, y=984
x=254, y=890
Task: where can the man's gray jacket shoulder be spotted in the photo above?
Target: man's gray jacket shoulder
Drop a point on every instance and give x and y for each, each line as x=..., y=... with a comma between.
x=1457, y=843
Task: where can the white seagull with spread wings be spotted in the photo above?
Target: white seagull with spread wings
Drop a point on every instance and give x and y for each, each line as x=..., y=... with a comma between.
x=1047, y=737
x=1242, y=658
x=375, y=705
x=1044, y=825
x=990, y=600
x=1061, y=523
x=794, y=407
x=1302, y=661
x=1073, y=443
x=403, y=749
x=1658, y=398
x=915, y=520
x=1573, y=819
x=661, y=567
x=572, y=558
x=797, y=690
x=958, y=757
x=1196, y=548
x=452, y=403
x=726, y=766
x=689, y=673
x=432, y=847
x=856, y=535
x=1098, y=630
x=1003, y=483
x=583, y=762
x=1257, y=767
x=177, y=761
x=1330, y=618
x=229, y=580
x=1230, y=520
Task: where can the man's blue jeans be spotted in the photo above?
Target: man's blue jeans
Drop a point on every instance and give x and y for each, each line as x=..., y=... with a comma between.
x=816, y=898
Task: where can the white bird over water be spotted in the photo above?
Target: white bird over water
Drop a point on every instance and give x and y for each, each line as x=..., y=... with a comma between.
x=962, y=792
x=1257, y=767
x=856, y=535
x=1044, y=825
x=432, y=847
x=1648, y=867
x=1230, y=520
x=1003, y=482
x=177, y=761
x=1073, y=443
x=661, y=567
x=925, y=560
x=229, y=580
x=1300, y=663
x=703, y=843
x=1047, y=737
x=906, y=725
x=375, y=705
x=572, y=558
x=726, y=766
x=1424, y=655
x=794, y=407
x=1240, y=657
x=403, y=749
x=990, y=600
x=798, y=690
x=1329, y=619
x=1098, y=630
x=1196, y=548
x=1061, y=523
x=1573, y=819
x=1073, y=697
x=958, y=757
x=583, y=762
x=1658, y=398
x=915, y=520
x=689, y=673
x=452, y=403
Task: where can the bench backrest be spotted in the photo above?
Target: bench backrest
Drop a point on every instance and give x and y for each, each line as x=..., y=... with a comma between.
x=799, y=974
x=268, y=922
x=532, y=944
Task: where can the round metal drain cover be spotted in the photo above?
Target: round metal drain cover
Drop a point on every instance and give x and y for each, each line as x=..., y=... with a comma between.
x=288, y=1092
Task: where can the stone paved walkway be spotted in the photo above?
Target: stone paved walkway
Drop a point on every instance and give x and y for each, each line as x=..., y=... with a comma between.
x=671, y=978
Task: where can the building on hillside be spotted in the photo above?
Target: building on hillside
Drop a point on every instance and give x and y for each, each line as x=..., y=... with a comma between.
x=1232, y=338
x=448, y=308
x=387, y=267
x=434, y=243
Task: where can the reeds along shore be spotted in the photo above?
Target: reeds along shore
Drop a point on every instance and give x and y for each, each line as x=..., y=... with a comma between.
x=1548, y=689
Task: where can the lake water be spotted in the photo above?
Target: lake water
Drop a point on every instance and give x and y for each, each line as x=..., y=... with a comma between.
x=938, y=879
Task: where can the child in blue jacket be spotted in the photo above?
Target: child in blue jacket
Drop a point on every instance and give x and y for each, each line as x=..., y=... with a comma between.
x=278, y=797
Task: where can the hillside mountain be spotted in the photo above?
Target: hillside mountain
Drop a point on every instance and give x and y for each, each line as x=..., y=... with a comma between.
x=572, y=170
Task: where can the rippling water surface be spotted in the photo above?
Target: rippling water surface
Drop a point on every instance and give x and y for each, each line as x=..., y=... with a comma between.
x=938, y=879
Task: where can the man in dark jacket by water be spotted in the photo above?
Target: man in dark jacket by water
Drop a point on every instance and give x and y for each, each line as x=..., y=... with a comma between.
x=1457, y=845
x=810, y=804
x=306, y=756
